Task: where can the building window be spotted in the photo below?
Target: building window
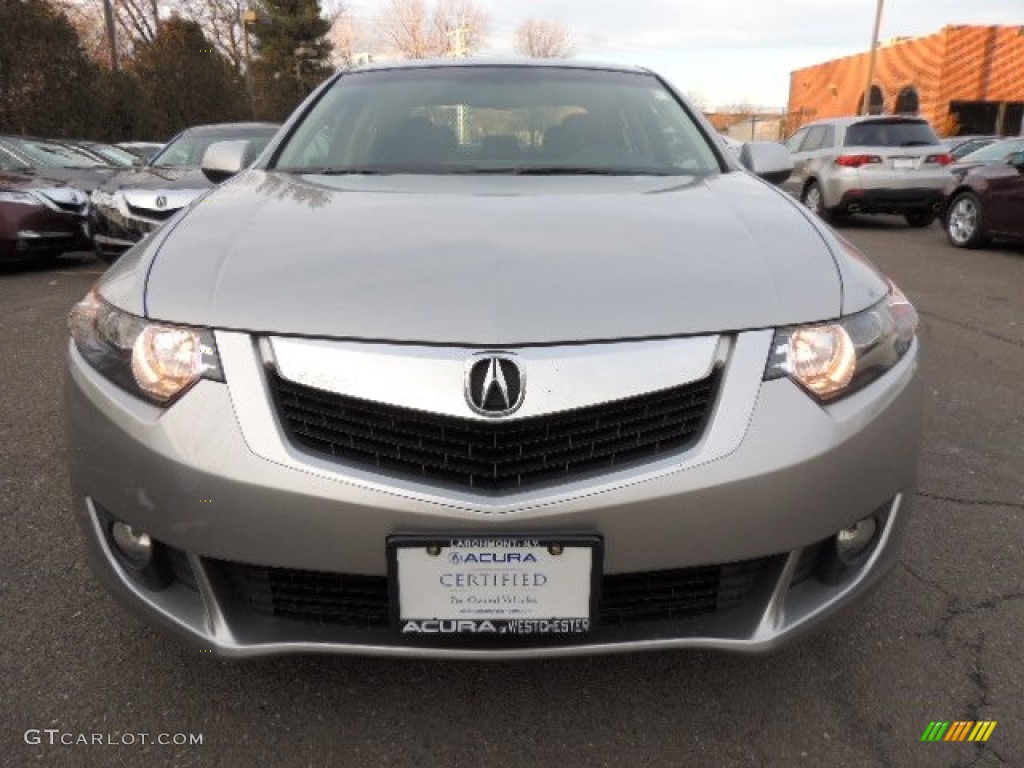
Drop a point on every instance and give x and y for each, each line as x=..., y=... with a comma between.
x=907, y=101
x=877, y=104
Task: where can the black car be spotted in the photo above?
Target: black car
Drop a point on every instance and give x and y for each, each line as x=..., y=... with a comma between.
x=134, y=202
x=55, y=161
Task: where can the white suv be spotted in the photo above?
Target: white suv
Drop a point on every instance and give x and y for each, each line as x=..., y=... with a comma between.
x=869, y=165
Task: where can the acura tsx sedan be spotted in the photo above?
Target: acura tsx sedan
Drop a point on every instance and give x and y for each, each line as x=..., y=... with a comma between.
x=492, y=360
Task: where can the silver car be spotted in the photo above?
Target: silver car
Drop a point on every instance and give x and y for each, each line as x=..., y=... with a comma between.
x=870, y=165
x=493, y=360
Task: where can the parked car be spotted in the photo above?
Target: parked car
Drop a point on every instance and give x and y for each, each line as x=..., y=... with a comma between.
x=144, y=150
x=869, y=165
x=39, y=218
x=134, y=202
x=958, y=146
x=55, y=161
x=492, y=360
x=998, y=152
x=986, y=201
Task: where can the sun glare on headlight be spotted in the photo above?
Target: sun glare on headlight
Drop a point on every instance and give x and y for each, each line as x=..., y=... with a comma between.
x=823, y=358
x=166, y=360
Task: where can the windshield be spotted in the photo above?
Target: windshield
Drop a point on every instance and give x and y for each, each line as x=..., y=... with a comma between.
x=485, y=119
x=114, y=155
x=188, y=149
x=994, y=153
x=890, y=133
x=56, y=155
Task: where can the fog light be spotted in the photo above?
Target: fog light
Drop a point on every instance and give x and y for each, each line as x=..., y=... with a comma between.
x=852, y=542
x=134, y=546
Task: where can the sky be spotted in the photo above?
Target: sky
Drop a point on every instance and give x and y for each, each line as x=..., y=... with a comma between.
x=731, y=51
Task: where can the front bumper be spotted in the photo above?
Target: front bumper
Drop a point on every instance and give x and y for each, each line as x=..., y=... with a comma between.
x=189, y=478
x=41, y=233
x=114, y=230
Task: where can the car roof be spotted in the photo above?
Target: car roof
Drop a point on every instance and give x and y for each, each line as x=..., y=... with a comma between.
x=503, y=61
x=231, y=127
x=845, y=122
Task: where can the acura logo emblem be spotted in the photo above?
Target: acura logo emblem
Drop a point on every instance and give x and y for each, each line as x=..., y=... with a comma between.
x=495, y=384
x=161, y=202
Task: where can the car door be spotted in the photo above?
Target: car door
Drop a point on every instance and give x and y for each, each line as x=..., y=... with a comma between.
x=818, y=150
x=1005, y=206
x=795, y=182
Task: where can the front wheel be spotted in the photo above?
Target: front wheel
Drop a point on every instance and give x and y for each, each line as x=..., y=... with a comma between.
x=964, y=221
x=920, y=218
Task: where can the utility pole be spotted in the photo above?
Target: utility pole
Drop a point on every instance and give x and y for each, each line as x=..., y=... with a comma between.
x=249, y=17
x=866, y=106
x=108, y=20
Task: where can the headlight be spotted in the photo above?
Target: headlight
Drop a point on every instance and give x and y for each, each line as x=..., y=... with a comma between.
x=155, y=361
x=21, y=198
x=834, y=359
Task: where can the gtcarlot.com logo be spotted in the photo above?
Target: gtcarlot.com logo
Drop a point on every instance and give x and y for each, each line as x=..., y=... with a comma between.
x=958, y=730
x=55, y=737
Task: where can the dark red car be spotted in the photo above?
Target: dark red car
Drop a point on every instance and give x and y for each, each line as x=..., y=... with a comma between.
x=40, y=218
x=985, y=202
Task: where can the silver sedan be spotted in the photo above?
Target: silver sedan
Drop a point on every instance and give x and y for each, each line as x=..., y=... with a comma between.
x=492, y=360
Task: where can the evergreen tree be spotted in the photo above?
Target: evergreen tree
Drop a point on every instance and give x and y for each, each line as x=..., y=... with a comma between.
x=291, y=55
x=45, y=76
x=187, y=81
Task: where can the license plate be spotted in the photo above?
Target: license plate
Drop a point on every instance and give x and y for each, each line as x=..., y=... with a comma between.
x=904, y=163
x=497, y=585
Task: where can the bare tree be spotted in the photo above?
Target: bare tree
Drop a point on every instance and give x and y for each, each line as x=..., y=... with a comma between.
x=87, y=19
x=698, y=99
x=404, y=28
x=221, y=21
x=140, y=19
x=410, y=29
x=460, y=26
x=544, y=39
x=349, y=38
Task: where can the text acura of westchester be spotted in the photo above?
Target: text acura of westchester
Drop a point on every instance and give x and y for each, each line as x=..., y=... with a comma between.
x=493, y=360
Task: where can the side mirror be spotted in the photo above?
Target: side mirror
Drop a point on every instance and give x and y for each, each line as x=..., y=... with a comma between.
x=771, y=161
x=137, y=162
x=223, y=160
x=1016, y=159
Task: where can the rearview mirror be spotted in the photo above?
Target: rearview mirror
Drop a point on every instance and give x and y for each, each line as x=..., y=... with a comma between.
x=771, y=161
x=223, y=160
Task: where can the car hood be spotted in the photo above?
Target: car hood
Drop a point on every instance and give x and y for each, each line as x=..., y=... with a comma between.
x=153, y=178
x=85, y=179
x=491, y=261
x=70, y=198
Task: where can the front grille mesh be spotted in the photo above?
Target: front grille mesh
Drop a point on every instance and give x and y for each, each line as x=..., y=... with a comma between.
x=314, y=596
x=495, y=456
x=362, y=601
x=678, y=594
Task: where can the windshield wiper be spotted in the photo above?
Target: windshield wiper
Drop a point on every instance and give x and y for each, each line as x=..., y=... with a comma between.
x=367, y=170
x=916, y=143
x=562, y=170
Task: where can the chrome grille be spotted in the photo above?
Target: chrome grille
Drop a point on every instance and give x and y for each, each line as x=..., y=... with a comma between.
x=495, y=456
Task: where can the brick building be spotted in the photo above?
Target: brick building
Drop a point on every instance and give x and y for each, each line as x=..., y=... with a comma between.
x=963, y=79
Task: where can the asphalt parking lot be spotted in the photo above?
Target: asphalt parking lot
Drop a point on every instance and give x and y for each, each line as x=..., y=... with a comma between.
x=939, y=640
